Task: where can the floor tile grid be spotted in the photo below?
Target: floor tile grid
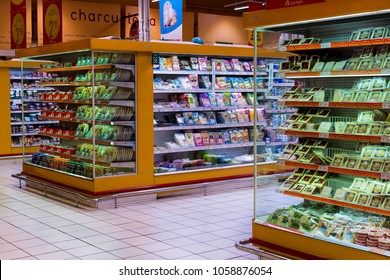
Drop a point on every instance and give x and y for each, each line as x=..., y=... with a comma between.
x=190, y=226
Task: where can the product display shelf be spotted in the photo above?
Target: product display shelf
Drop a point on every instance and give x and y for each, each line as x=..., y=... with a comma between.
x=337, y=170
x=205, y=126
x=339, y=136
x=335, y=45
x=102, y=163
x=23, y=117
x=339, y=203
x=330, y=104
x=280, y=232
x=144, y=176
x=336, y=74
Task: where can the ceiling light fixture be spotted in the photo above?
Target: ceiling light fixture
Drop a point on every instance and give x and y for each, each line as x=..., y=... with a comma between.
x=155, y=1
x=241, y=8
x=242, y=5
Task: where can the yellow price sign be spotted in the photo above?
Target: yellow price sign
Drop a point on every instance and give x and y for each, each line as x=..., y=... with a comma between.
x=18, y=29
x=52, y=21
x=251, y=38
x=17, y=2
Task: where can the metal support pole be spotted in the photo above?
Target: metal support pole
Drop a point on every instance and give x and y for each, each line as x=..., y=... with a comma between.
x=144, y=18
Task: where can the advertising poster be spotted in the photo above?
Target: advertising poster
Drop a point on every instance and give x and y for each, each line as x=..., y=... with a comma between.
x=52, y=21
x=171, y=20
x=18, y=24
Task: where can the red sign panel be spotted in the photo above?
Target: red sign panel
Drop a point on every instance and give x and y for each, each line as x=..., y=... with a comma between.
x=52, y=21
x=279, y=4
x=18, y=24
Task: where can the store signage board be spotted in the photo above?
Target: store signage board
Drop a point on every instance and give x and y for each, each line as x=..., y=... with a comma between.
x=171, y=20
x=279, y=4
x=52, y=21
x=82, y=20
x=18, y=24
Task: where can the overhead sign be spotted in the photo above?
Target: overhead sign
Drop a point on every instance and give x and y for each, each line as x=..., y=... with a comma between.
x=52, y=21
x=18, y=24
x=279, y=4
x=251, y=38
x=171, y=20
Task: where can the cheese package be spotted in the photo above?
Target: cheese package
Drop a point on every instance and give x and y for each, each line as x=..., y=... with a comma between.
x=198, y=139
x=204, y=82
x=181, y=139
x=194, y=63
x=190, y=139
x=194, y=80
x=228, y=66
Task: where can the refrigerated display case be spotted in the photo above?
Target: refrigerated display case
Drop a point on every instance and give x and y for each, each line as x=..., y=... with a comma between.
x=335, y=205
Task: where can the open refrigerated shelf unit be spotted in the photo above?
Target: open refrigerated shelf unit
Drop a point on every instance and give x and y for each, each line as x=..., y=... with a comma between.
x=340, y=186
x=21, y=92
x=92, y=97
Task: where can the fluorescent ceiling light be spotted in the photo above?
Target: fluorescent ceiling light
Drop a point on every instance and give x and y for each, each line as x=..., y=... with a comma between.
x=241, y=8
x=155, y=1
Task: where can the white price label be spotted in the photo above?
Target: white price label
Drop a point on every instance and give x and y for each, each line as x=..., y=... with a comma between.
x=282, y=132
x=385, y=139
x=386, y=105
x=325, y=74
x=281, y=74
x=282, y=48
x=323, y=168
x=324, y=104
x=324, y=135
x=385, y=176
x=325, y=45
x=281, y=162
x=281, y=103
x=386, y=71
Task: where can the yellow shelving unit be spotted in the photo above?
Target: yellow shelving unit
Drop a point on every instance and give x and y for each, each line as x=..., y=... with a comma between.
x=144, y=176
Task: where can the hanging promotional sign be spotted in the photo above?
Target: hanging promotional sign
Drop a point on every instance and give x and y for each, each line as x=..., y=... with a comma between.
x=251, y=38
x=171, y=20
x=52, y=21
x=279, y=4
x=18, y=24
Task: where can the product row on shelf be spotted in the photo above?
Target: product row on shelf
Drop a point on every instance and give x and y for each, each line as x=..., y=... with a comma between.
x=205, y=64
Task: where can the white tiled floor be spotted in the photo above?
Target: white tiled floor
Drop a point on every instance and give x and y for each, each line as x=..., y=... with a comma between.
x=191, y=226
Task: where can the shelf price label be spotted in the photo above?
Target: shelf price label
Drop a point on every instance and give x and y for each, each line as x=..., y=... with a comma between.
x=325, y=45
x=281, y=162
x=324, y=104
x=385, y=176
x=385, y=71
x=385, y=139
x=281, y=74
x=322, y=168
x=325, y=74
x=323, y=135
x=386, y=105
x=282, y=48
x=281, y=103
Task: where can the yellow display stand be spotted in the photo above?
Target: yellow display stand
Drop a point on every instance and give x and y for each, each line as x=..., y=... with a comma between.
x=144, y=176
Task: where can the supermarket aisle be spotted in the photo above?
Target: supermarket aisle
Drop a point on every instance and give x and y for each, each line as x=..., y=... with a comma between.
x=181, y=227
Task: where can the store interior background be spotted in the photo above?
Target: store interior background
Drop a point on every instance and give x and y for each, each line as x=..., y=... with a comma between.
x=210, y=20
